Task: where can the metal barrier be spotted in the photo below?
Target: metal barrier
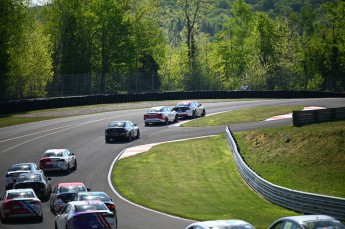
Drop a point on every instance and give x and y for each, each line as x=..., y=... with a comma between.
x=300, y=118
x=307, y=203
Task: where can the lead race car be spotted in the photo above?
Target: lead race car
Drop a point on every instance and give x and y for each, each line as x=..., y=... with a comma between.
x=190, y=109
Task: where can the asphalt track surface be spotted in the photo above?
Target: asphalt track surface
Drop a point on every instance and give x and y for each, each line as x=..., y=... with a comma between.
x=84, y=136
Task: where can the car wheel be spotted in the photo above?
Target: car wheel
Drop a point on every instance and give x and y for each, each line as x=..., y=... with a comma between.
x=68, y=170
x=56, y=227
x=146, y=123
x=166, y=121
x=40, y=218
x=130, y=137
x=194, y=115
x=203, y=113
x=107, y=140
x=75, y=165
x=176, y=119
x=138, y=134
x=4, y=220
x=51, y=208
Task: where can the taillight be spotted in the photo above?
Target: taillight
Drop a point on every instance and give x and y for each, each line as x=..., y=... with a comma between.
x=35, y=202
x=111, y=207
x=160, y=116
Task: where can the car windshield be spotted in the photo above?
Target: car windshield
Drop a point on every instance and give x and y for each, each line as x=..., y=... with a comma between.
x=77, y=188
x=329, y=224
x=53, y=154
x=28, y=177
x=90, y=207
x=20, y=167
x=117, y=124
x=17, y=195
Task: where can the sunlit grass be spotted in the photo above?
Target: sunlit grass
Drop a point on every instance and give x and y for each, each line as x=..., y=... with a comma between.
x=240, y=116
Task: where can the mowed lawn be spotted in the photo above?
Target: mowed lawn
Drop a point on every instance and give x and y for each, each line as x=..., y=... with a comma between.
x=198, y=179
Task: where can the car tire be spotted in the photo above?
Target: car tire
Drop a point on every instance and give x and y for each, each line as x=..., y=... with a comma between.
x=193, y=115
x=75, y=165
x=146, y=123
x=40, y=219
x=176, y=119
x=166, y=121
x=56, y=227
x=68, y=170
x=138, y=134
x=4, y=220
x=203, y=113
x=107, y=140
x=129, y=137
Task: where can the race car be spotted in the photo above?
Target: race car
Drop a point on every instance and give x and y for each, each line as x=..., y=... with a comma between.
x=20, y=203
x=102, y=196
x=37, y=181
x=189, y=109
x=58, y=159
x=85, y=214
x=16, y=169
x=160, y=114
x=124, y=129
x=64, y=193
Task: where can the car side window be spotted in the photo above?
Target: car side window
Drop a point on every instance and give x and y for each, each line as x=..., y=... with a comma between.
x=277, y=225
x=290, y=225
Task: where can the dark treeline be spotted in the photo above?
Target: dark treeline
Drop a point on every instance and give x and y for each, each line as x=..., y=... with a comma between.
x=80, y=47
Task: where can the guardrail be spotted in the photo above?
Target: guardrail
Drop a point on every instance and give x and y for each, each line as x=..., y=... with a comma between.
x=307, y=203
x=300, y=118
x=24, y=105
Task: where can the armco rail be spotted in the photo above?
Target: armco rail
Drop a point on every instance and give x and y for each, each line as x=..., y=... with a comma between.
x=307, y=203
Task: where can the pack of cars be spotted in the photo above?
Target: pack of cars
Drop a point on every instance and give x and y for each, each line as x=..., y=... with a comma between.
x=27, y=186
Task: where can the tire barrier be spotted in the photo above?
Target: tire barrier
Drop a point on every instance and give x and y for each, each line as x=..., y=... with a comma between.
x=18, y=106
x=307, y=203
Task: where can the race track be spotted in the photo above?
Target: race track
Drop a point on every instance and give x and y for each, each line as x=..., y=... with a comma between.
x=84, y=136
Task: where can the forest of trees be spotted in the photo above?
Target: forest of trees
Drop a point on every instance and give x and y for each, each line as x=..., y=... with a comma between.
x=80, y=47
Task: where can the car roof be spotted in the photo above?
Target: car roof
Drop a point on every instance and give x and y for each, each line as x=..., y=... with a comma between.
x=31, y=173
x=213, y=223
x=303, y=218
x=92, y=192
x=82, y=202
x=54, y=150
x=20, y=190
x=70, y=184
x=24, y=163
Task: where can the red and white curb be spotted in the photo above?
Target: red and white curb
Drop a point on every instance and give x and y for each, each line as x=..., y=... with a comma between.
x=285, y=116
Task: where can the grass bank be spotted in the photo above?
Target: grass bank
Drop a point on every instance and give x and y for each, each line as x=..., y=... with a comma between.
x=198, y=179
x=244, y=115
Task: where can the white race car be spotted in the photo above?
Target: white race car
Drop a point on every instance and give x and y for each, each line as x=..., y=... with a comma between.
x=58, y=159
x=190, y=109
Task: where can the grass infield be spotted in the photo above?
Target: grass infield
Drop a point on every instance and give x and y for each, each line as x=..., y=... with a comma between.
x=198, y=179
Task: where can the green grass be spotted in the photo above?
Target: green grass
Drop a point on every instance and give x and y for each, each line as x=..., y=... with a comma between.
x=11, y=120
x=198, y=179
x=309, y=158
x=194, y=179
x=240, y=116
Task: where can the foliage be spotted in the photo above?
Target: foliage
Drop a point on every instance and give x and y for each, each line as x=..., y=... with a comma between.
x=108, y=46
